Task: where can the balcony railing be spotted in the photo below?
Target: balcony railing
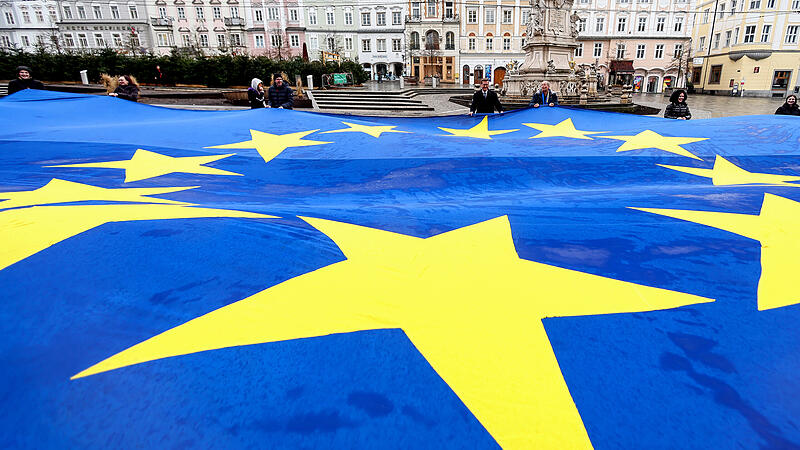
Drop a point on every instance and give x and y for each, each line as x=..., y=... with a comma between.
x=450, y=18
x=234, y=22
x=161, y=21
x=413, y=19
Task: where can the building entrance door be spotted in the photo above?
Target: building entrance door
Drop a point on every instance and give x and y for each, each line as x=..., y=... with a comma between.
x=780, y=82
x=465, y=73
x=499, y=75
x=652, y=84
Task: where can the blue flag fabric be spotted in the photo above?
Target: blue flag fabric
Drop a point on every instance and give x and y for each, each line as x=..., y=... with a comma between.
x=544, y=278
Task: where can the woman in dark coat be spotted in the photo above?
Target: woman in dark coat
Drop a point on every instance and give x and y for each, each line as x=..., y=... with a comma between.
x=678, y=109
x=789, y=108
x=126, y=89
x=255, y=94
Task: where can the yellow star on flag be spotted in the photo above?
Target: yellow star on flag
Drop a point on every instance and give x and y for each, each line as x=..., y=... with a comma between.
x=146, y=164
x=62, y=191
x=26, y=231
x=479, y=131
x=464, y=298
x=564, y=128
x=271, y=145
x=725, y=173
x=776, y=227
x=651, y=139
x=372, y=130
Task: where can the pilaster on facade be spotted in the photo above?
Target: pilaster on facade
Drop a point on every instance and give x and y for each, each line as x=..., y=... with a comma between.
x=121, y=26
x=750, y=47
x=432, y=31
x=29, y=25
x=643, y=42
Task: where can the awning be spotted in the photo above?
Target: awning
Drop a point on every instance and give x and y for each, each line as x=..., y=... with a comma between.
x=755, y=55
x=621, y=66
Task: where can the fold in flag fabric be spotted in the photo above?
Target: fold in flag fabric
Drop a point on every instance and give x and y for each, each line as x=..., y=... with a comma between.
x=549, y=278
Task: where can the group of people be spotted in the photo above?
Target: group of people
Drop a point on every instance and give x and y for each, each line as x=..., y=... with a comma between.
x=486, y=102
x=278, y=95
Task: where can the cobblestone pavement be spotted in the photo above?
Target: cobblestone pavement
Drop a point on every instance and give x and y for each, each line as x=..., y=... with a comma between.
x=708, y=106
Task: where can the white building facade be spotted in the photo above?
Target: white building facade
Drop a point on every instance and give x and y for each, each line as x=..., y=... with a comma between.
x=119, y=25
x=381, y=38
x=29, y=25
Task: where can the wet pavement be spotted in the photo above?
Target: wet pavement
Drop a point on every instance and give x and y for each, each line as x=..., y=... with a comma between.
x=708, y=106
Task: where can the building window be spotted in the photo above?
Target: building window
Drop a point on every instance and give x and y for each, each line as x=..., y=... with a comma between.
x=796, y=5
x=397, y=18
x=162, y=12
x=749, y=34
x=54, y=18
x=26, y=16
x=365, y=19
x=721, y=12
x=312, y=16
x=134, y=40
x=201, y=14
x=117, y=39
x=508, y=15
x=26, y=42
x=642, y=26
x=67, y=15
x=506, y=43
x=380, y=19
x=313, y=43
x=99, y=40
x=10, y=18
x=216, y=11
x=114, y=12
x=98, y=13
x=791, y=34
x=186, y=40
x=678, y=24
x=701, y=44
x=330, y=18
x=221, y=40
x=203, y=40
x=431, y=9
x=294, y=40
x=396, y=45
x=728, y=38
x=598, y=50
x=39, y=15
x=678, y=51
x=380, y=45
x=715, y=41
x=659, y=51
x=448, y=10
x=68, y=41
x=235, y=12
x=489, y=15
x=660, y=22
x=293, y=15
x=348, y=43
x=620, y=51
x=365, y=45
x=755, y=4
x=449, y=41
x=81, y=12
x=348, y=17
x=162, y=39
x=83, y=42
x=181, y=13
x=582, y=25
x=640, y=51
x=525, y=15
x=471, y=43
x=272, y=13
x=621, y=23
x=414, y=41
x=705, y=15
x=736, y=35
x=472, y=16
x=236, y=40
x=733, y=7
x=489, y=43
x=579, y=50
x=275, y=40
x=600, y=24
x=259, y=41
x=431, y=40
x=765, y=33
x=134, y=12
x=716, y=74
x=415, y=10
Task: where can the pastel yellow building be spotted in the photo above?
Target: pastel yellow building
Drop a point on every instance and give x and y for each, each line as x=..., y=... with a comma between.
x=751, y=47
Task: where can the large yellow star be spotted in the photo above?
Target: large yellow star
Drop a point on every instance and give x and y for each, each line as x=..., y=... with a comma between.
x=464, y=298
x=271, y=145
x=479, y=131
x=564, y=128
x=146, y=164
x=26, y=231
x=372, y=130
x=725, y=173
x=777, y=227
x=651, y=139
x=62, y=191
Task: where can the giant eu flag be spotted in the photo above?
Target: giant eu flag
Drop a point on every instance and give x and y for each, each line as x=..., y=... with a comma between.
x=548, y=278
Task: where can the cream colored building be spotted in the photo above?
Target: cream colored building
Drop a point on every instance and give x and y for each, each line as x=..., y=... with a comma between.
x=432, y=29
x=752, y=46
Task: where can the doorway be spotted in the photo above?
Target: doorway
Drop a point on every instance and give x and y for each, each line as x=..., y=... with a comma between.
x=499, y=75
x=465, y=73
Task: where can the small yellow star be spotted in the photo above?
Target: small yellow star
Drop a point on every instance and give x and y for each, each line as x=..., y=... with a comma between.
x=651, y=139
x=725, y=173
x=146, y=164
x=479, y=131
x=372, y=130
x=563, y=129
x=271, y=145
x=776, y=228
x=61, y=191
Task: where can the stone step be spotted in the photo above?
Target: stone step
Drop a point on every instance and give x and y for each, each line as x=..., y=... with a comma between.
x=375, y=107
x=362, y=101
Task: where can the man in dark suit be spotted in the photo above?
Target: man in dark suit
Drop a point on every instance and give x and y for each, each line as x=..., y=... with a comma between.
x=545, y=97
x=485, y=101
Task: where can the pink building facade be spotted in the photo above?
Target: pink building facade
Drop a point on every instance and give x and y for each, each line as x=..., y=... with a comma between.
x=276, y=29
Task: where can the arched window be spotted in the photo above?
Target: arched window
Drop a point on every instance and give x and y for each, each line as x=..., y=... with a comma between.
x=432, y=40
x=450, y=41
x=415, y=41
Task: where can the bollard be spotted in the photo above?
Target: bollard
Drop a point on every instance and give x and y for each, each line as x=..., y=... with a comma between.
x=434, y=81
x=310, y=82
x=84, y=77
x=402, y=82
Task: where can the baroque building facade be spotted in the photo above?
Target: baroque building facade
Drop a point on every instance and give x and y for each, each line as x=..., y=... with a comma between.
x=29, y=25
x=120, y=25
x=747, y=46
x=432, y=29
